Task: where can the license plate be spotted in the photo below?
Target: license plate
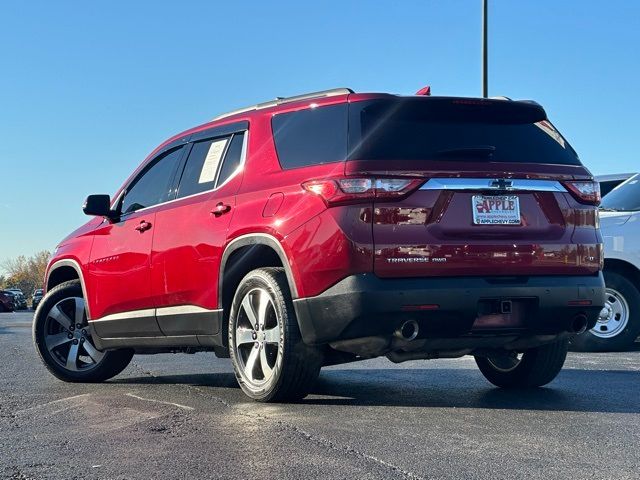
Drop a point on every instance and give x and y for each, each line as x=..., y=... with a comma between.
x=495, y=209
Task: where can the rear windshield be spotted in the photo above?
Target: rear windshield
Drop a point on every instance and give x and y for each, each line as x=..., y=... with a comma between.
x=625, y=197
x=455, y=129
x=435, y=128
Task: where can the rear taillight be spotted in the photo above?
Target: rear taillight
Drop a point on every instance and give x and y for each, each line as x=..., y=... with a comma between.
x=584, y=191
x=340, y=191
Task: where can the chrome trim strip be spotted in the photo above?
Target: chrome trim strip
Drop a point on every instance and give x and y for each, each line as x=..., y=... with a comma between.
x=182, y=310
x=204, y=192
x=151, y=312
x=512, y=184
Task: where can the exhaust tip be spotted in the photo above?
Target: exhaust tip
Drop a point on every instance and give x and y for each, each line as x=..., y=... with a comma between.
x=408, y=330
x=578, y=324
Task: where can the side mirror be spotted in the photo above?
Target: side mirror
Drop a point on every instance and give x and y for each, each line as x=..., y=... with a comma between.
x=98, y=205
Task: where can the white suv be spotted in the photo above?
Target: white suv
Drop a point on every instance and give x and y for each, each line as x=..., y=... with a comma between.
x=619, y=323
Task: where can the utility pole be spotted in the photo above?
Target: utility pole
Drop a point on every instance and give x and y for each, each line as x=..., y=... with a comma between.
x=485, y=80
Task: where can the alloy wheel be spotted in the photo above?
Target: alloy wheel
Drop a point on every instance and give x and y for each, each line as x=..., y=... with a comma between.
x=67, y=337
x=257, y=337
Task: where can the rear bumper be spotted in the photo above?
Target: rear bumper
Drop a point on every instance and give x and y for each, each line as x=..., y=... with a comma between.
x=365, y=305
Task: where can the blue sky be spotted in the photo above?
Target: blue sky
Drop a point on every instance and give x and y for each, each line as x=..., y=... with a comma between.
x=89, y=88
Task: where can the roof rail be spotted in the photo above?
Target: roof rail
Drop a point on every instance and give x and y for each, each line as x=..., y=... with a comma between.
x=280, y=100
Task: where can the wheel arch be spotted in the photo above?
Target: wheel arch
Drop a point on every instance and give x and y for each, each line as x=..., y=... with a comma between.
x=627, y=269
x=63, y=271
x=244, y=254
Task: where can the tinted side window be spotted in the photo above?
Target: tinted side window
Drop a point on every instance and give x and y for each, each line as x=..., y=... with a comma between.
x=199, y=173
x=232, y=159
x=311, y=137
x=152, y=186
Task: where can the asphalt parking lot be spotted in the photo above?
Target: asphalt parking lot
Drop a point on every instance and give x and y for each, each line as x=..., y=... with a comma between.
x=182, y=416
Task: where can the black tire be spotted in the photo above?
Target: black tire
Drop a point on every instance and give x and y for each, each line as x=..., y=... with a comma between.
x=589, y=341
x=111, y=364
x=537, y=367
x=296, y=364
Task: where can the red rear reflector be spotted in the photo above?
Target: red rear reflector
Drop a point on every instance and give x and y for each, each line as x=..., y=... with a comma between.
x=414, y=308
x=579, y=303
x=584, y=191
x=324, y=188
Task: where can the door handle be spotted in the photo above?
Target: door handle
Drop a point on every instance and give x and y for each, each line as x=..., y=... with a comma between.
x=143, y=226
x=221, y=209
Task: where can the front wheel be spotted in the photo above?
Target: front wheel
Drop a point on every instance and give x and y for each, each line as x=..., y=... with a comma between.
x=270, y=360
x=63, y=340
x=534, y=367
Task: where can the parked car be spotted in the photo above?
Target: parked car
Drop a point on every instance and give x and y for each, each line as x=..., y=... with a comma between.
x=618, y=325
x=331, y=227
x=7, y=301
x=20, y=299
x=36, y=297
x=611, y=181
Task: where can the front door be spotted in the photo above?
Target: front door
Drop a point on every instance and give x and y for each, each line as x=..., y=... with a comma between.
x=119, y=275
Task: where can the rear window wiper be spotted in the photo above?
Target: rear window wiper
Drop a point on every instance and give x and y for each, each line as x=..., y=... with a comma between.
x=607, y=209
x=475, y=151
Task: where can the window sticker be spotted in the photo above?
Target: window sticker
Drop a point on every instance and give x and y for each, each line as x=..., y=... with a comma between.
x=212, y=160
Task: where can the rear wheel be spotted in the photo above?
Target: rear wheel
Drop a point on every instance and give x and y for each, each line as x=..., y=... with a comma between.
x=270, y=360
x=618, y=325
x=532, y=368
x=63, y=339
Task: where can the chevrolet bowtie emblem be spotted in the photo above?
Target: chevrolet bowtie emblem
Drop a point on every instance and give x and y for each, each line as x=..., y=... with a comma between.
x=501, y=184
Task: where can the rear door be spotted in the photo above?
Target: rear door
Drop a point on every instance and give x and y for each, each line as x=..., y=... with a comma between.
x=119, y=270
x=191, y=231
x=494, y=199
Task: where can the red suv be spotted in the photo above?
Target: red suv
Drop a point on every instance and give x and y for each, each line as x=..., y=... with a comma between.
x=332, y=227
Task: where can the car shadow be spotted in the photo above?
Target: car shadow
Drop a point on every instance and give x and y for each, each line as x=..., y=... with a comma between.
x=575, y=390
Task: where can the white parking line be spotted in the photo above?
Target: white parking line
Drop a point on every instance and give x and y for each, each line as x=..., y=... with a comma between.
x=160, y=401
x=66, y=400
